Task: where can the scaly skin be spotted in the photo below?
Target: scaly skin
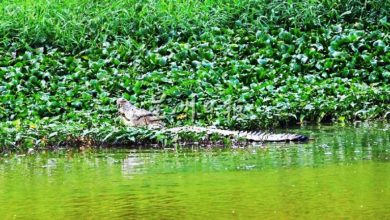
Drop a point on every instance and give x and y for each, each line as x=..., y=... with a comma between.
x=136, y=117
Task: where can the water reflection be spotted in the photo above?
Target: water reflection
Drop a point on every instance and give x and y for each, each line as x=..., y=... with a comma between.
x=331, y=145
x=131, y=165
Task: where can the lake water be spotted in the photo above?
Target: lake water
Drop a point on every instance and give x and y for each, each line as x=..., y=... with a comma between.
x=344, y=173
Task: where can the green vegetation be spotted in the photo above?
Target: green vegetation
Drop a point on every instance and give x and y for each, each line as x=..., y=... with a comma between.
x=249, y=64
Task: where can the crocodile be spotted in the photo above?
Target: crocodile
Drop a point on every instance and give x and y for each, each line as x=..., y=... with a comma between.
x=137, y=117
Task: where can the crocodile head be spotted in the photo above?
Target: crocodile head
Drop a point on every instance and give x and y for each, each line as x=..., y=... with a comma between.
x=121, y=102
x=123, y=105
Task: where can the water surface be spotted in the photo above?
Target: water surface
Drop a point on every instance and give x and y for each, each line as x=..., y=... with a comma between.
x=343, y=173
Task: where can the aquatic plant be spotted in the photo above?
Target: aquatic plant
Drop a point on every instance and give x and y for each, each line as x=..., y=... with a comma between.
x=239, y=65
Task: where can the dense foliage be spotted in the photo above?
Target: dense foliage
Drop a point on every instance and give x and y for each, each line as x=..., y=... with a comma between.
x=245, y=64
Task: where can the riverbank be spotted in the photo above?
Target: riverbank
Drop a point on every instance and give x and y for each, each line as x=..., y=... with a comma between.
x=250, y=65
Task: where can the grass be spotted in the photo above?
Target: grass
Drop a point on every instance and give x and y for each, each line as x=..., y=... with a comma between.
x=75, y=24
x=80, y=24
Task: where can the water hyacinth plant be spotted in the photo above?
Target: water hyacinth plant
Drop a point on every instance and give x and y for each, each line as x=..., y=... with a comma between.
x=241, y=64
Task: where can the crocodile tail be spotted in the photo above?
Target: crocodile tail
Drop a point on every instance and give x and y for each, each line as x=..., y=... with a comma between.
x=285, y=137
x=251, y=136
x=269, y=137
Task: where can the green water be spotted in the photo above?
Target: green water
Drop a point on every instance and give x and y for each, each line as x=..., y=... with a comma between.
x=343, y=173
